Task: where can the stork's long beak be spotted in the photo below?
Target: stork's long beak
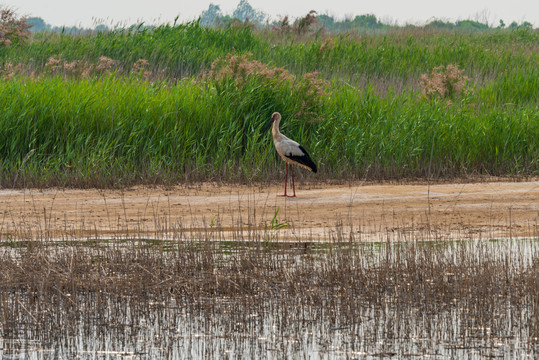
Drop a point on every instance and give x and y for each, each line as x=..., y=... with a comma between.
x=268, y=125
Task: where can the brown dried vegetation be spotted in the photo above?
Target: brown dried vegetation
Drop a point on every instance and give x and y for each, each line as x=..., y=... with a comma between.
x=443, y=82
x=300, y=27
x=13, y=30
x=84, y=69
x=240, y=70
x=68, y=285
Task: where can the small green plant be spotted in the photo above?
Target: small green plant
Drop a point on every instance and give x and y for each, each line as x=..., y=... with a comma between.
x=12, y=242
x=275, y=223
x=214, y=221
x=274, y=226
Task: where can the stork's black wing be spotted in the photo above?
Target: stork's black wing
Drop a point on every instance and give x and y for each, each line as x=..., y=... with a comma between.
x=303, y=159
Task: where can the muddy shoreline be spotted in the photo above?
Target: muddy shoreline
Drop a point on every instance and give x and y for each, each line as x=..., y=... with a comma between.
x=358, y=211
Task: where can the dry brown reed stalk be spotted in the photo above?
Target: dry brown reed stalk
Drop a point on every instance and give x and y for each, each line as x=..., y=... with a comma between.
x=413, y=274
x=241, y=69
x=56, y=65
x=326, y=46
x=283, y=25
x=77, y=68
x=84, y=285
x=301, y=26
x=304, y=24
x=60, y=289
x=10, y=71
x=141, y=68
x=106, y=64
x=13, y=30
x=444, y=82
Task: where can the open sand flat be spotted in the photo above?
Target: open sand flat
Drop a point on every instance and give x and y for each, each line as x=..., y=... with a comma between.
x=368, y=212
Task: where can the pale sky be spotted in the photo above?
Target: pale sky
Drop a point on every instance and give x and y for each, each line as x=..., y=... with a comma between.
x=88, y=13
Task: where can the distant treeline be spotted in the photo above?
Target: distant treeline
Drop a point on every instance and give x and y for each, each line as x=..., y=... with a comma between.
x=245, y=13
x=38, y=24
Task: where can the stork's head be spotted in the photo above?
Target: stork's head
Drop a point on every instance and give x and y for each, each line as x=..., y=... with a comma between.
x=275, y=117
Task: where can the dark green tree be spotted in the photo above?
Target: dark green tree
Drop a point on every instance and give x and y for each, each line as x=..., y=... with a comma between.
x=37, y=24
x=367, y=21
x=211, y=16
x=245, y=11
x=471, y=25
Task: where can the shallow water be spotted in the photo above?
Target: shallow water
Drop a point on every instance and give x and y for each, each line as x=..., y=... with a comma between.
x=388, y=333
x=273, y=326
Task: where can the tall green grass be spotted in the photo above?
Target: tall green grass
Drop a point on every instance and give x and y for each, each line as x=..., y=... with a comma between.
x=182, y=50
x=394, y=57
x=370, y=121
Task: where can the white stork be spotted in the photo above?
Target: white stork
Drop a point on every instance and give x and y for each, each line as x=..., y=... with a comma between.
x=291, y=152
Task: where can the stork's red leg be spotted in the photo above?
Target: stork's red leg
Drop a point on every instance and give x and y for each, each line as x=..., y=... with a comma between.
x=293, y=186
x=285, y=179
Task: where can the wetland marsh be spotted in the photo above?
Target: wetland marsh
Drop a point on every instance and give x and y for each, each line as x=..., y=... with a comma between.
x=138, y=208
x=211, y=272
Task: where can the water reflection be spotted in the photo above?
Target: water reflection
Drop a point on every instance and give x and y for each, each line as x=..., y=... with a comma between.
x=293, y=321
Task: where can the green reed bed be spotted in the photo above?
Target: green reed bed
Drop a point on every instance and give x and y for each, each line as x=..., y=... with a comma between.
x=114, y=131
x=183, y=103
x=181, y=50
x=188, y=49
x=404, y=55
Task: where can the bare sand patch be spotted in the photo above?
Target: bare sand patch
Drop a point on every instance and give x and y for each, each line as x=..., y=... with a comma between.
x=364, y=212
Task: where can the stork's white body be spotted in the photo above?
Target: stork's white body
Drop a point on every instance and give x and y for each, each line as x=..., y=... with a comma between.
x=287, y=148
x=290, y=151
